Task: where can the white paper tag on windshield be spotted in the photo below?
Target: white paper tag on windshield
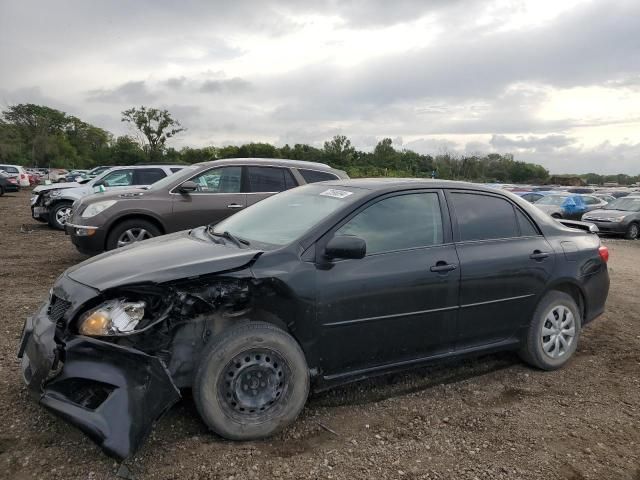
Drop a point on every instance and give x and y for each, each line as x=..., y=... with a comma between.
x=336, y=193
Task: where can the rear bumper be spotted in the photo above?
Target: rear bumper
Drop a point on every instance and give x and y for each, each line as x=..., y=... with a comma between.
x=111, y=393
x=596, y=289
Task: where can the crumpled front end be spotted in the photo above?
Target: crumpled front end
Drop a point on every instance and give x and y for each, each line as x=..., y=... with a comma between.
x=113, y=393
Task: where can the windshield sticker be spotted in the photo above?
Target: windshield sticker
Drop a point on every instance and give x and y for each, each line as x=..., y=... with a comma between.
x=336, y=193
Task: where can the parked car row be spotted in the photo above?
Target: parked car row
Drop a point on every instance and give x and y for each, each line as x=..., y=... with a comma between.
x=310, y=288
x=603, y=207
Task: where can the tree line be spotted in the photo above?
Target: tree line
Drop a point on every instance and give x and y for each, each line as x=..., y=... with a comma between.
x=37, y=135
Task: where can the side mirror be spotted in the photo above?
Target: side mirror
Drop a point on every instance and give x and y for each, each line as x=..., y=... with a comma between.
x=346, y=246
x=188, y=186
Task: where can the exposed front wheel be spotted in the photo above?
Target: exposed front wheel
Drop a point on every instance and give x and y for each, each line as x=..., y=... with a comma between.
x=59, y=214
x=552, y=337
x=632, y=232
x=252, y=382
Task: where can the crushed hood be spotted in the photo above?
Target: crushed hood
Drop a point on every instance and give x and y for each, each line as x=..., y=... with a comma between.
x=162, y=259
x=55, y=186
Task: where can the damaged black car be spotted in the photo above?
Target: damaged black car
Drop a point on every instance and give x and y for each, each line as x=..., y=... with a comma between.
x=320, y=285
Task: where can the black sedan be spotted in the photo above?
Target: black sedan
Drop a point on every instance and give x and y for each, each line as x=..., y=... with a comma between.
x=8, y=183
x=620, y=217
x=314, y=287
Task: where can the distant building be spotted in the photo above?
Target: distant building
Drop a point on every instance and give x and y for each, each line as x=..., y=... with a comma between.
x=567, y=181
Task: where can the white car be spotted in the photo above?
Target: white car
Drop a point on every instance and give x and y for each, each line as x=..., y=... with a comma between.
x=52, y=203
x=17, y=172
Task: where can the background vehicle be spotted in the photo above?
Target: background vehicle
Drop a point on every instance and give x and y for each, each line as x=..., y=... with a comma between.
x=593, y=202
x=620, y=217
x=315, y=287
x=605, y=197
x=75, y=175
x=200, y=194
x=532, y=197
x=52, y=203
x=8, y=183
x=17, y=172
x=93, y=173
x=563, y=205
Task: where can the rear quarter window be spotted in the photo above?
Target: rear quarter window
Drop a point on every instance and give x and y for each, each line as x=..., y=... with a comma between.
x=483, y=217
x=313, y=176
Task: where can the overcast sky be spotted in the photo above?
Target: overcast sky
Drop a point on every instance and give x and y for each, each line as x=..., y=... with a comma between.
x=555, y=82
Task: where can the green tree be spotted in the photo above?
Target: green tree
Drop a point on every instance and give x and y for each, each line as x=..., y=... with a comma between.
x=338, y=151
x=156, y=125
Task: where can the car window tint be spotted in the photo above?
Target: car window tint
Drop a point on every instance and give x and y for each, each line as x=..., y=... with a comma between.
x=483, y=217
x=148, y=176
x=590, y=200
x=527, y=228
x=266, y=179
x=119, y=178
x=404, y=221
x=313, y=176
x=175, y=169
x=289, y=181
x=220, y=180
x=9, y=169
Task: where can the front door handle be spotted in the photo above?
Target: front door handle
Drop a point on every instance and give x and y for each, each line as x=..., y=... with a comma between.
x=443, y=267
x=538, y=255
x=235, y=205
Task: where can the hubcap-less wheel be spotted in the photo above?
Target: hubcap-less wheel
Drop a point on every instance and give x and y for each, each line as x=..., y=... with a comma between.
x=558, y=331
x=252, y=384
x=133, y=235
x=633, y=231
x=62, y=215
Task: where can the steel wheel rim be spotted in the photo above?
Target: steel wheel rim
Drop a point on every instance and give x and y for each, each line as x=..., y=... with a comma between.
x=253, y=384
x=558, y=332
x=62, y=215
x=133, y=235
x=633, y=231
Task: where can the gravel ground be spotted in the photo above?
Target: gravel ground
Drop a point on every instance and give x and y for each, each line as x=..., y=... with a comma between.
x=489, y=417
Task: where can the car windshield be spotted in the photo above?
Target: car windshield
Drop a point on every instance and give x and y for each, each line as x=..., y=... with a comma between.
x=627, y=204
x=552, y=200
x=281, y=219
x=180, y=175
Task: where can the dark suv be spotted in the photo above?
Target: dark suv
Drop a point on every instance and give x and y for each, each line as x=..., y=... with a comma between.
x=317, y=286
x=200, y=194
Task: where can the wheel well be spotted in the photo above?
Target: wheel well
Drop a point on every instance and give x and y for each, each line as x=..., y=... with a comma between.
x=574, y=292
x=147, y=218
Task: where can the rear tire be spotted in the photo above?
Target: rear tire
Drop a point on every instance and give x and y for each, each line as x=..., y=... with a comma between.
x=131, y=231
x=59, y=215
x=1, y=191
x=252, y=382
x=632, y=232
x=552, y=336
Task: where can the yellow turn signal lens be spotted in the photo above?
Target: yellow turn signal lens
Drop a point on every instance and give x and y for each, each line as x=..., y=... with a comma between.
x=97, y=323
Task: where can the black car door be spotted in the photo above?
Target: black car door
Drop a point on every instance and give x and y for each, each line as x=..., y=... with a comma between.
x=504, y=265
x=399, y=302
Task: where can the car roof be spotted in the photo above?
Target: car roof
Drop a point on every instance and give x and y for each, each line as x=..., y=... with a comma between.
x=279, y=162
x=377, y=184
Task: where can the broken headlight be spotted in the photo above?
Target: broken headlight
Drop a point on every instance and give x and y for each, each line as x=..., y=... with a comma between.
x=113, y=317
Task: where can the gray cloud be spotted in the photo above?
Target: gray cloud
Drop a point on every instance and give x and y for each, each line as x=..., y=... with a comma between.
x=130, y=92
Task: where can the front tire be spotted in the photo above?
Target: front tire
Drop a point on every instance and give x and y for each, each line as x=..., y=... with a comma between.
x=632, y=232
x=552, y=336
x=1, y=191
x=131, y=231
x=252, y=382
x=59, y=215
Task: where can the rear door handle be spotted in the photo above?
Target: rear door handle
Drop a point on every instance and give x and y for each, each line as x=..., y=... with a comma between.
x=538, y=255
x=235, y=205
x=443, y=267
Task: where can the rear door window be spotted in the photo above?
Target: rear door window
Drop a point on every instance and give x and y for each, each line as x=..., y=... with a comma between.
x=398, y=223
x=483, y=217
x=148, y=176
x=268, y=179
x=313, y=176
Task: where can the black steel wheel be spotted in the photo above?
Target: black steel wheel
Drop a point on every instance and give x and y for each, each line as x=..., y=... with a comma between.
x=252, y=381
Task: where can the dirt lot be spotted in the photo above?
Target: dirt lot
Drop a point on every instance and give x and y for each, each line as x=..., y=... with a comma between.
x=491, y=417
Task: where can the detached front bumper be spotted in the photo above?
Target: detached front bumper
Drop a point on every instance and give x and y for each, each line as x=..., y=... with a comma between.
x=111, y=393
x=617, y=228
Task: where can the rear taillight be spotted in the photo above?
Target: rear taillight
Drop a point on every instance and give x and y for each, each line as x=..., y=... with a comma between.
x=604, y=253
x=23, y=176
